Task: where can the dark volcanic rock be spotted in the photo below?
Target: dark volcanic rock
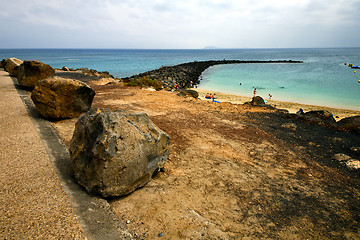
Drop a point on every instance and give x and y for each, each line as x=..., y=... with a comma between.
x=57, y=98
x=257, y=101
x=186, y=74
x=317, y=142
x=113, y=153
x=31, y=71
x=322, y=118
x=260, y=102
x=350, y=124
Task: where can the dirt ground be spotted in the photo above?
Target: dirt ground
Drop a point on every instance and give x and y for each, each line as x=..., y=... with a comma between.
x=237, y=172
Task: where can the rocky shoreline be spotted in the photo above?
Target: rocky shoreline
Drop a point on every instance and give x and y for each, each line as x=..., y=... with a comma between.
x=182, y=75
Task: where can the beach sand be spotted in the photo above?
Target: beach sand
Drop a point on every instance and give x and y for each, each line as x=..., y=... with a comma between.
x=290, y=106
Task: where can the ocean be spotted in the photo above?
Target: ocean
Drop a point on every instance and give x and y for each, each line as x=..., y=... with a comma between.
x=323, y=78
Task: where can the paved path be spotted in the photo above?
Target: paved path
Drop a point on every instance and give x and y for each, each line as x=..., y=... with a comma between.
x=38, y=197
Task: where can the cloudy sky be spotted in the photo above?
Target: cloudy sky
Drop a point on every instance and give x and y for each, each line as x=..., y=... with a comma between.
x=178, y=24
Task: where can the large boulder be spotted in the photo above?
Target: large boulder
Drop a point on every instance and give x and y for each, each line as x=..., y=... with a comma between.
x=321, y=117
x=350, y=124
x=259, y=101
x=113, y=153
x=59, y=98
x=188, y=93
x=31, y=71
x=11, y=65
x=256, y=101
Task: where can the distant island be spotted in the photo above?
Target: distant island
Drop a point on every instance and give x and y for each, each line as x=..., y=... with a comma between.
x=211, y=47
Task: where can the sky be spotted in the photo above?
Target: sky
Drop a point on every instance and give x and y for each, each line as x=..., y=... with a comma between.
x=179, y=24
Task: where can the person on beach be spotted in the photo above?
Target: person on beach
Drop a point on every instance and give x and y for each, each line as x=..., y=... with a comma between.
x=300, y=111
x=208, y=96
x=213, y=97
x=254, y=92
x=270, y=96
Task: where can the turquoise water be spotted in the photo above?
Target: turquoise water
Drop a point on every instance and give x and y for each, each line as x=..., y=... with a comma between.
x=322, y=79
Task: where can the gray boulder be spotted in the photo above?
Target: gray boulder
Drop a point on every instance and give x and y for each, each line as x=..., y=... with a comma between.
x=113, y=153
x=59, y=98
x=31, y=71
x=11, y=65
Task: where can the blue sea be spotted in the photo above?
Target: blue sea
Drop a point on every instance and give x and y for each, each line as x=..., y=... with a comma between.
x=323, y=78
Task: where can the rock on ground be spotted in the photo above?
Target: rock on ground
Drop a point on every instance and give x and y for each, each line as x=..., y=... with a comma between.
x=256, y=101
x=57, y=98
x=188, y=93
x=290, y=126
x=350, y=124
x=11, y=65
x=347, y=160
x=321, y=117
x=31, y=71
x=113, y=153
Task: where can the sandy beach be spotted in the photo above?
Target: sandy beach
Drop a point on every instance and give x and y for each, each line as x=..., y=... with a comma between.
x=290, y=106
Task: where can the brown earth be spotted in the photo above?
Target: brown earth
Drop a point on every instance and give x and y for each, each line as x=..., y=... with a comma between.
x=236, y=172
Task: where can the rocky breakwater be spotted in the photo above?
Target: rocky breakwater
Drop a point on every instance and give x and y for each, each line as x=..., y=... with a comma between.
x=183, y=75
x=113, y=152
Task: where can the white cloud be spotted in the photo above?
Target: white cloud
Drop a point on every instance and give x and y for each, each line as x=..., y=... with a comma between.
x=185, y=23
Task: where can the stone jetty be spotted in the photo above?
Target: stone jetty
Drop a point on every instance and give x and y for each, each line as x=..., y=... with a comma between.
x=184, y=74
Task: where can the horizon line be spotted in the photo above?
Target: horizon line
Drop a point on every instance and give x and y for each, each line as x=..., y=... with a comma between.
x=205, y=48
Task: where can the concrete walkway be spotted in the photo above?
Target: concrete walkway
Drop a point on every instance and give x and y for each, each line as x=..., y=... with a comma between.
x=38, y=197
